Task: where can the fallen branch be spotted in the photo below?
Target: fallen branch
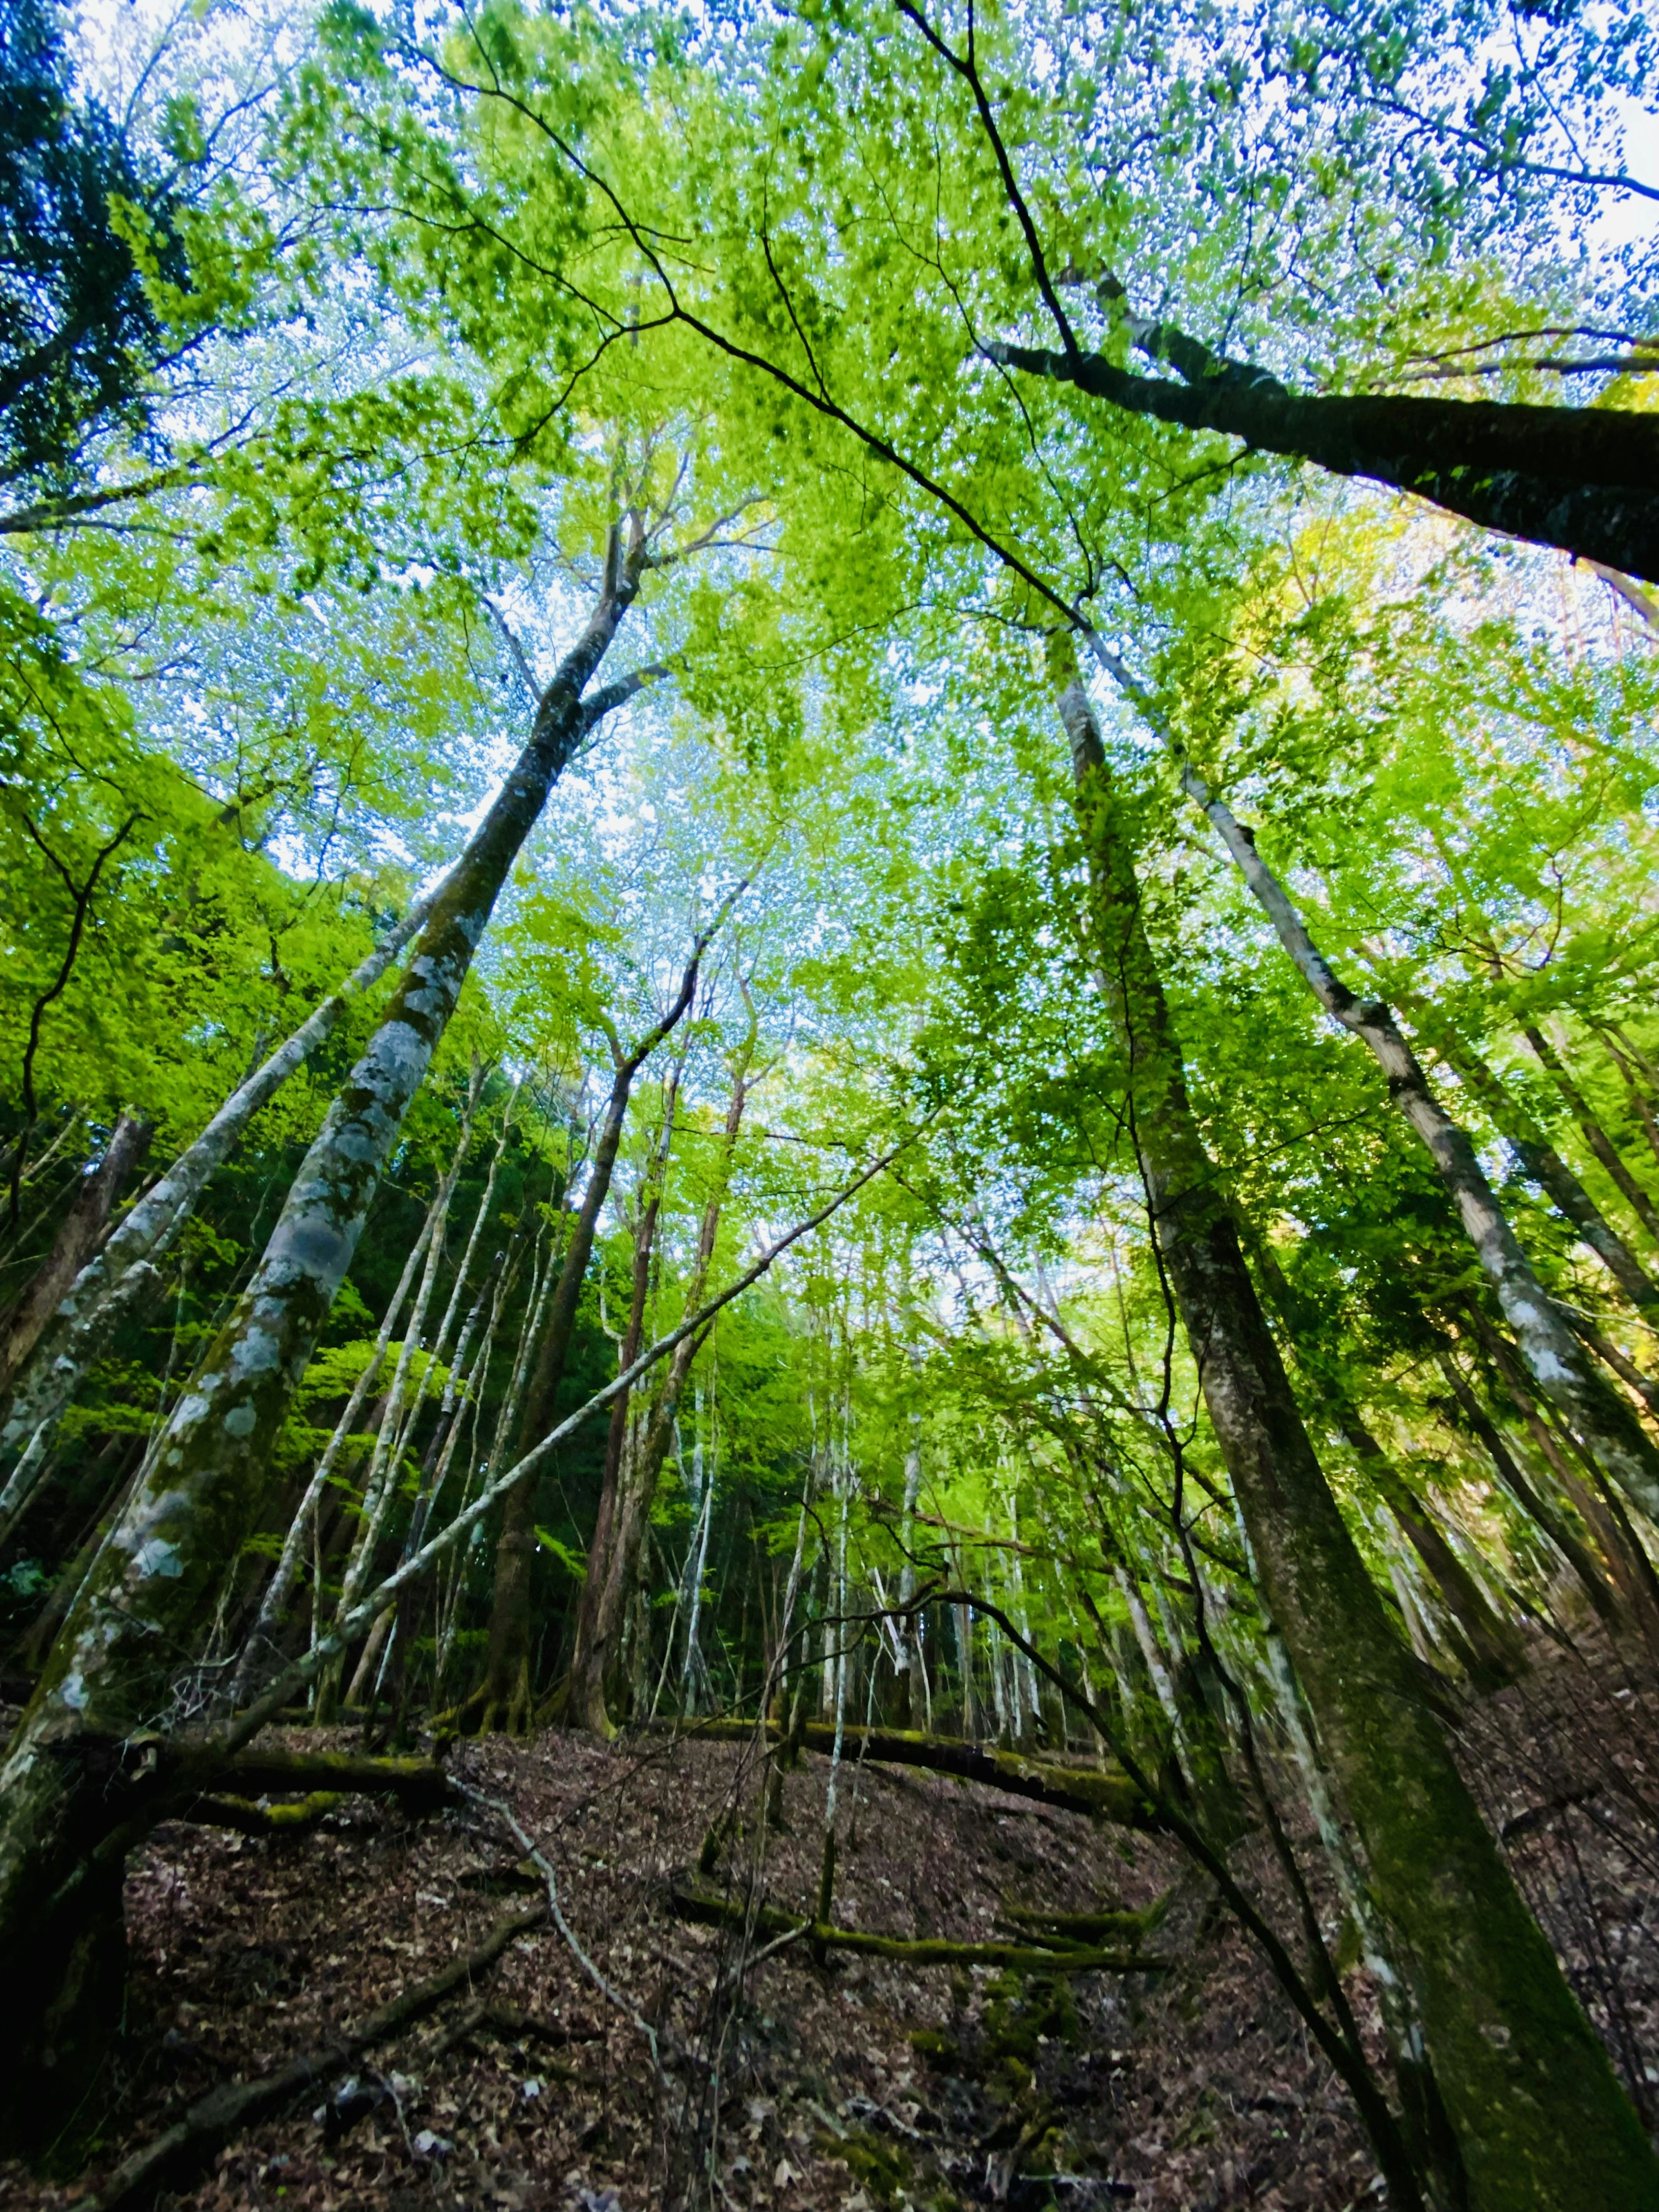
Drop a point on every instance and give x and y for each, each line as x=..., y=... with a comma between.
x=555, y=1912
x=1111, y=1797
x=140, y=1783
x=1084, y=1928
x=766, y=1920
x=249, y=1818
x=235, y=2106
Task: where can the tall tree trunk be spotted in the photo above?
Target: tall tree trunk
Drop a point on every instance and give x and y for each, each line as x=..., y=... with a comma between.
x=596, y=1625
x=613, y=1568
x=138, y=1615
x=1540, y=2121
x=1586, y=479
x=78, y=1237
x=915, y=1695
x=1542, y=1515
x=259, y=1647
x=1539, y=1159
x=1594, y=1134
x=380, y=1479
x=1496, y=1650
x=506, y=1703
x=122, y=1275
x=1605, y=1422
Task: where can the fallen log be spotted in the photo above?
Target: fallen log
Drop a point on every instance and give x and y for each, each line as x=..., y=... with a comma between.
x=768, y=1922
x=418, y=1785
x=235, y=2106
x=137, y=1784
x=1102, y=1796
x=249, y=1818
x=1084, y=1928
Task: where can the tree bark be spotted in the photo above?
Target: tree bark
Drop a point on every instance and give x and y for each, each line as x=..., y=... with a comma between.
x=1598, y=1415
x=1497, y=1654
x=613, y=1571
x=506, y=1699
x=105, y=1288
x=1585, y=479
x=1539, y=1161
x=1540, y=2121
x=1525, y=1493
x=585, y=1694
x=137, y=1618
x=1595, y=1135
x=78, y=1237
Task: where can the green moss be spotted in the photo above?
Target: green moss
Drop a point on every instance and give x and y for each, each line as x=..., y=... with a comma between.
x=882, y=2167
x=935, y=2045
x=1024, y=2010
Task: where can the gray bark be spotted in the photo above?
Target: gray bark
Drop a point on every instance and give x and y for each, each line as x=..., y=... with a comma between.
x=94, y=1306
x=138, y=1613
x=1518, y=2066
x=1607, y=1423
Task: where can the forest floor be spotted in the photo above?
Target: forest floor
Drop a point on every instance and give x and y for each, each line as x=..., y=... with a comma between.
x=802, y=2085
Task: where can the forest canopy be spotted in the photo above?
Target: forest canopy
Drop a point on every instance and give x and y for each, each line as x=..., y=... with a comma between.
x=828, y=843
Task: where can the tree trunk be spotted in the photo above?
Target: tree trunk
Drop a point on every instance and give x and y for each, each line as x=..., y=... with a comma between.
x=77, y=1238
x=260, y=1645
x=1598, y=1415
x=107, y=1287
x=597, y=1625
x=1497, y=1655
x=1594, y=1134
x=1544, y=1165
x=138, y=1615
x=380, y=1481
x=507, y=1701
x=613, y=1567
x=1540, y=2121
x=1586, y=479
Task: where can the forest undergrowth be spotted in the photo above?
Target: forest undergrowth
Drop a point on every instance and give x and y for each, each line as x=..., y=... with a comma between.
x=829, y=1105
x=779, y=2078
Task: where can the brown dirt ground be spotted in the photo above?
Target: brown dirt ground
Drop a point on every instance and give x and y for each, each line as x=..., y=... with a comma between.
x=839, y=2087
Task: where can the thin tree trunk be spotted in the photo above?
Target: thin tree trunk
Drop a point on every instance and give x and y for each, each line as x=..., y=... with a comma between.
x=914, y=1691
x=1641, y=1104
x=110, y=1285
x=1543, y=1515
x=507, y=1669
x=596, y=1627
x=138, y=1614
x=1594, y=1134
x=381, y=1482
x=1497, y=1651
x=261, y=1643
x=458, y=1392
x=506, y=1418
x=1622, y=1548
x=1541, y=2123
x=79, y=1235
x=1604, y=1421
x=1543, y=1164
x=613, y=1568
x=696, y=1564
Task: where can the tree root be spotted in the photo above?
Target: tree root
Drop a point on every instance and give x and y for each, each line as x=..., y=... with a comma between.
x=235, y=2106
x=1102, y=1796
x=767, y=1920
